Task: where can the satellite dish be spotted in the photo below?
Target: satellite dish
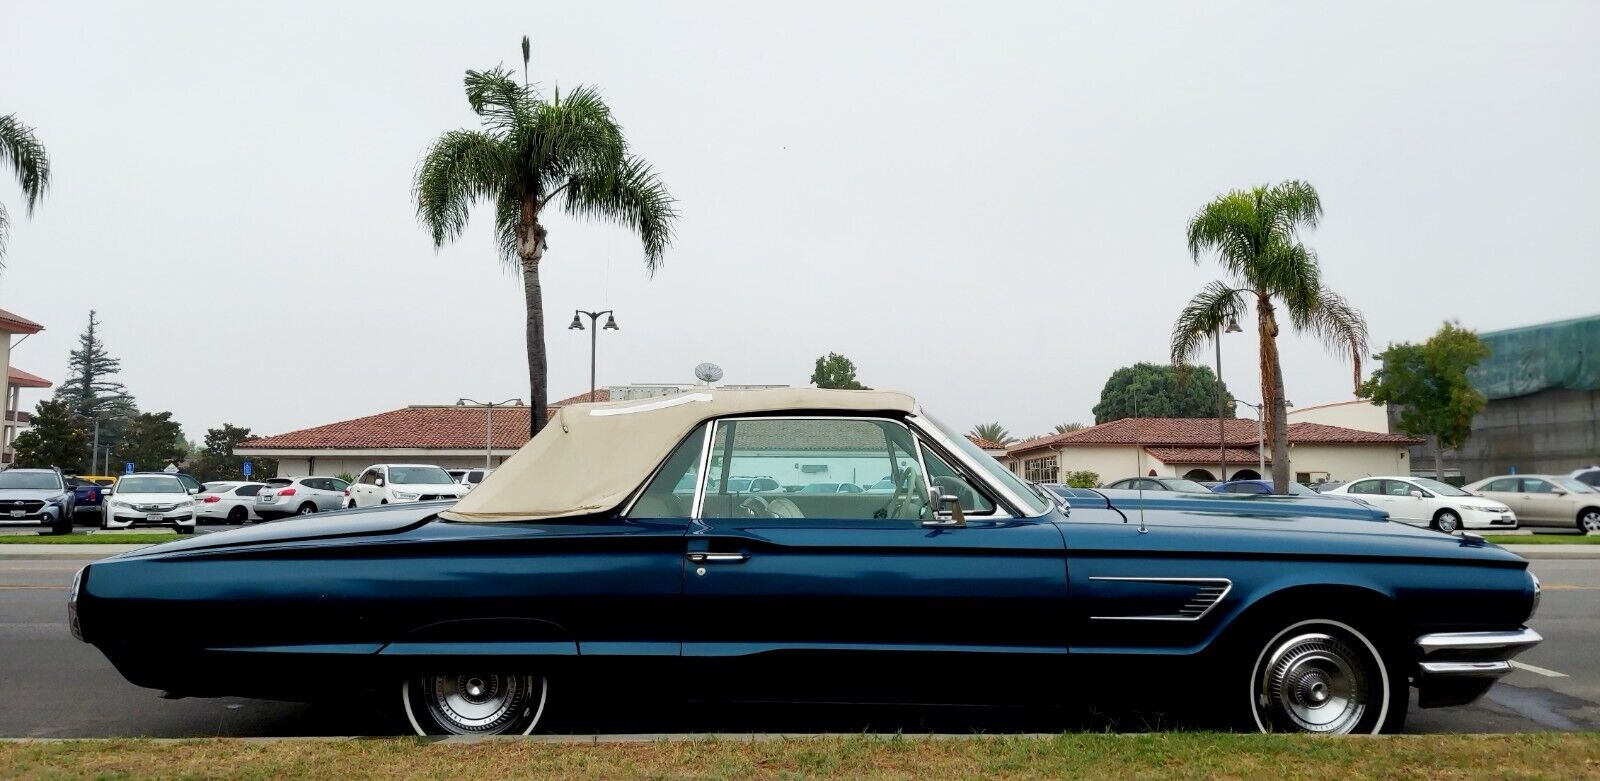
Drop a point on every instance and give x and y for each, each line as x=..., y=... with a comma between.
x=708, y=372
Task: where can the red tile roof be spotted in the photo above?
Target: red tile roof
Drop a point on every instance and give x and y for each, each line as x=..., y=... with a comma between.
x=1202, y=432
x=986, y=444
x=428, y=427
x=22, y=379
x=1203, y=455
x=17, y=324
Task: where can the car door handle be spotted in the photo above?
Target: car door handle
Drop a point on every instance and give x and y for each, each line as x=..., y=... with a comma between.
x=716, y=558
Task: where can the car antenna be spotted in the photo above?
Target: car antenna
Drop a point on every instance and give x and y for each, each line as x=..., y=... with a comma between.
x=1138, y=461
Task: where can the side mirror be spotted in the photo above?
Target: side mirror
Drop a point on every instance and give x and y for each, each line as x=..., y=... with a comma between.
x=1559, y=492
x=1416, y=493
x=958, y=518
x=192, y=491
x=378, y=482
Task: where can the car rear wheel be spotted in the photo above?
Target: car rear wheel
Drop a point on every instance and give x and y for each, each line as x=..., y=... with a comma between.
x=1447, y=522
x=475, y=703
x=306, y=509
x=1324, y=677
x=238, y=515
x=1589, y=520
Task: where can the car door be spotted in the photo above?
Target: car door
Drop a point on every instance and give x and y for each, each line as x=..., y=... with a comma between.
x=365, y=490
x=1544, y=506
x=1402, y=505
x=805, y=580
x=1372, y=491
x=336, y=488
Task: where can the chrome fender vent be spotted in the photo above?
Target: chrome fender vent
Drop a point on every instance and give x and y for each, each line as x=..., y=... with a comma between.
x=1158, y=598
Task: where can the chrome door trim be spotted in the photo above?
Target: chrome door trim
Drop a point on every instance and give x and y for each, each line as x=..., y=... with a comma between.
x=1227, y=587
x=1018, y=506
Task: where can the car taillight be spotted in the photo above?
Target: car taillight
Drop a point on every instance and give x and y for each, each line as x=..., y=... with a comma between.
x=286, y=492
x=94, y=495
x=347, y=492
x=212, y=499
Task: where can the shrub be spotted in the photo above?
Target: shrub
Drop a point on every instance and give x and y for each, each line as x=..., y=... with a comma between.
x=1083, y=479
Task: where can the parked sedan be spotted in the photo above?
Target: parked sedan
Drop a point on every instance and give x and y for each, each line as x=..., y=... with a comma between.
x=1258, y=487
x=580, y=560
x=1545, y=500
x=1421, y=501
x=150, y=499
x=286, y=496
x=382, y=484
x=226, y=500
x=1159, y=484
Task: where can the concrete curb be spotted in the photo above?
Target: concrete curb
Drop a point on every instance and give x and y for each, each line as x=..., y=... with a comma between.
x=1555, y=551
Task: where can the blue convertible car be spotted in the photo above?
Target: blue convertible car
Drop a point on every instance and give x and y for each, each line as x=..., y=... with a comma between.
x=608, y=546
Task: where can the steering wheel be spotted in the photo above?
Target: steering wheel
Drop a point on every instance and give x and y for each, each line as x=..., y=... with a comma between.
x=755, y=507
x=903, y=491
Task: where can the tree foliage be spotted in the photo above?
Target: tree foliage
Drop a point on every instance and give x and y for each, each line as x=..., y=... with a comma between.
x=152, y=441
x=21, y=151
x=1161, y=392
x=216, y=461
x=994, y=432
x=1254, y=235
x=532, y=151
x=1067, y=428
x=55, y=439
x=91, y=389
x=1083, y=478
x=837, y=372
x=1428, y=384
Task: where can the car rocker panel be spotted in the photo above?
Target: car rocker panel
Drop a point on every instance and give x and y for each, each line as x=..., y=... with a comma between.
x=1322, y=611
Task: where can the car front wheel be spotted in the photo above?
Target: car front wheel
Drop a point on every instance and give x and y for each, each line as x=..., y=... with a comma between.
x=475, y=703
x=1447, y=522
x=1589, y=520
x=1324, y=677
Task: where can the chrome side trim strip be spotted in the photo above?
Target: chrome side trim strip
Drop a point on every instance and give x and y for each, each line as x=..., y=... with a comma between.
x=1204, y=601
x=1507, y=644
x=1465, y=669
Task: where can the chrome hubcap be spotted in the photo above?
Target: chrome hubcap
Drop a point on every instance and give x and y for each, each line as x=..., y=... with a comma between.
x=478, y=704
x=1314, y=683
x=1447, y=522
x=1591, y=522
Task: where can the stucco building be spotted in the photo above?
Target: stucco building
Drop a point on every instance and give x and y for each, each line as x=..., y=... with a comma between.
x=1191, y=447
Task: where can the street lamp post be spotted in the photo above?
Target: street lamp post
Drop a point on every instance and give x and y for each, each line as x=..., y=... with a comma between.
x=1261, y=435
x=488, y=424
x=594, y=333
x=1222, y=432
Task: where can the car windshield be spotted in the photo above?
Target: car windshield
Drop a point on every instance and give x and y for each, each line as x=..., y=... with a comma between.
x=996, y=472
x=419, y=475
x=1437, y=487
x=883, y=484
x=1181, y=484
x=150, y=484
x=1575, y=486
x=34, y=480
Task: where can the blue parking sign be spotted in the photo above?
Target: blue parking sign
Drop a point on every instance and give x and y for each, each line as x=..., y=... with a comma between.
x=247, y=468
x=127, y=468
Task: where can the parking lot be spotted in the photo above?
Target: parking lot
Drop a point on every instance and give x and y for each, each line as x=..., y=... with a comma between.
x=58, y=687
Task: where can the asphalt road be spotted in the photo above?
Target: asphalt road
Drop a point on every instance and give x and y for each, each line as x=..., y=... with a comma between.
x=55, y=686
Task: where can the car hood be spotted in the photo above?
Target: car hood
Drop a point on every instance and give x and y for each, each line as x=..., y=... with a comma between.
x=24, y=494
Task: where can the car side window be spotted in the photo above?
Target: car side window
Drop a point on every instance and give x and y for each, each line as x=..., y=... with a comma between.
x=1504, y=485
x=337, y=485
x=1396, y=488
x=951, y=483
x=1245, y=488
x=834, y=450
x=369, y=477
x=1366, y=487
x=248, y=490
x=1533, y=485
x=670, y=493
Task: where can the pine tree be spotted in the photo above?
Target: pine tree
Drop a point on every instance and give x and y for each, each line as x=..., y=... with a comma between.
x=90, y=389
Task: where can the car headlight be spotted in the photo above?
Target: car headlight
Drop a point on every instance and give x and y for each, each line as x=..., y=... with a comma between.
x=1486, y=508
x=1537, y=592
x=72, y=604
x=122, y=504
x=405, y=496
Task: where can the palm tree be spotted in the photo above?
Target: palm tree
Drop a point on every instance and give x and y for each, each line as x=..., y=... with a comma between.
x=1066, y=428
x=26, y=156
x=1255, y=235
x=533, y=152
x=994, y=432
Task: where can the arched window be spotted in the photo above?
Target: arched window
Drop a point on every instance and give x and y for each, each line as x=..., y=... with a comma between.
x=1246, y=474
x=1198, y=474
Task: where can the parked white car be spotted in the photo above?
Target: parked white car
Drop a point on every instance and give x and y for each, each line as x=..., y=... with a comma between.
x=470, y=477
x=228, y=500
x=150, y=499
x=285, y=496
x=395, y=483
x=1422, y=501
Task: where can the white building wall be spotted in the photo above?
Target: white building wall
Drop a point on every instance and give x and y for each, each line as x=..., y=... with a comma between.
x=1358, y=414
x=1347, y=462
x=332, y=465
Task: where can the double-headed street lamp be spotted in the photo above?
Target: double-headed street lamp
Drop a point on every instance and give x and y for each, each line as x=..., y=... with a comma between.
x=488, y=424
x=577, y=325
x=1222, y=434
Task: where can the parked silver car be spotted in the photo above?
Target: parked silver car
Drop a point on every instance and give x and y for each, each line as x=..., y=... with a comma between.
x=286, y=496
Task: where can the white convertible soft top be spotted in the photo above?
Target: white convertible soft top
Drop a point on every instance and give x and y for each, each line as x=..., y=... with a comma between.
x=591, y=457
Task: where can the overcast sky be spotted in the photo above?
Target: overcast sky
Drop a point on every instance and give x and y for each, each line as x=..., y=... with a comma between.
x=981, y=203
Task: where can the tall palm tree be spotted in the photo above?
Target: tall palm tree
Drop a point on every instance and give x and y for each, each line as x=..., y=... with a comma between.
x=994, y=432
x=1255, y=235
x=533, y=152
x=1067, y=428
x=21, y=150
